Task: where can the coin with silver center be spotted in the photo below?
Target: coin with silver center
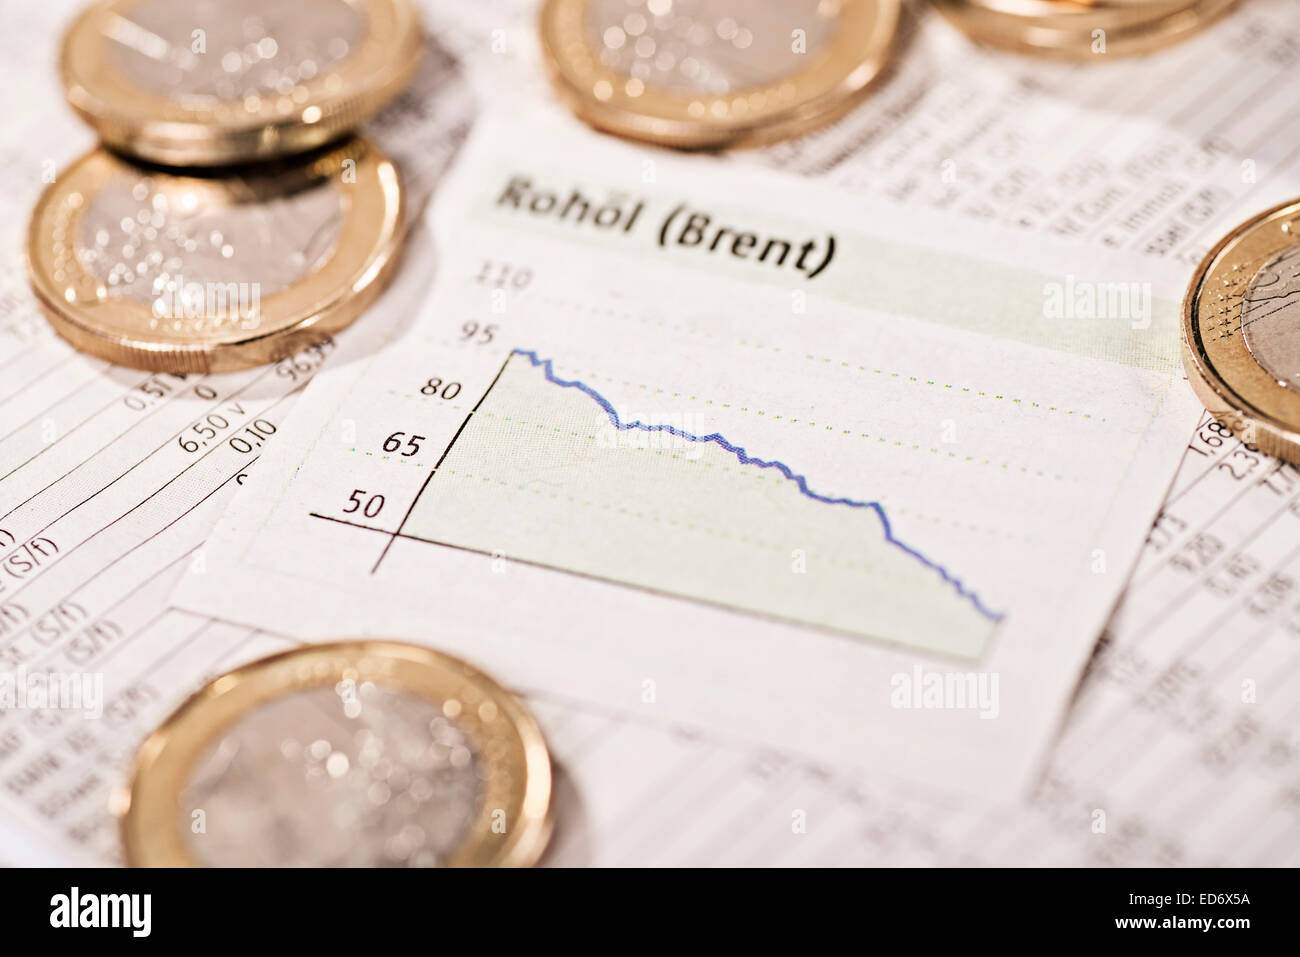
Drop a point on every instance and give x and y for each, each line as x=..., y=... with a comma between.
x=176, y=272
x=1241, y=331
x=1270, y=316
x=206, y=82
x=714, y=73
x=358, y=753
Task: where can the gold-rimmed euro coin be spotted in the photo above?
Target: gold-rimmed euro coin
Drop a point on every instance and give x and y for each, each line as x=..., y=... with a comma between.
x=1103, y=12
x=1074, y=30
x=189, y=271
x=355, y=753
x=714, y=73
x=1241, y=331
x=208, y=82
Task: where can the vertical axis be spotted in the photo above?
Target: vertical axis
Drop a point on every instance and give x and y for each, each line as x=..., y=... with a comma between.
x=437, y=465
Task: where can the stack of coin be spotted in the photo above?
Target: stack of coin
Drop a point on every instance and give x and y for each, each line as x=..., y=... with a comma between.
x=229, y=219
x=710, y=74
x=1082, y=29
x=354, y=753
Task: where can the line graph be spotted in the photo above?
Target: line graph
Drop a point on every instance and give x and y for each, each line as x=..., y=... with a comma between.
x=547, y=367
x=533, y=475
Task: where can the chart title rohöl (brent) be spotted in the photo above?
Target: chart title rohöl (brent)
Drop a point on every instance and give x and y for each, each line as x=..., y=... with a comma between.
x=683, y=227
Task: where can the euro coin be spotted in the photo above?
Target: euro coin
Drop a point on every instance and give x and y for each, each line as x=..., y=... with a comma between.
x=714, y=73
x=1082, y=30
x=1241, y=331
x=1075, y=8
x=1079, y=12
x=356, y=753
x=207, y=82
x=189, y=271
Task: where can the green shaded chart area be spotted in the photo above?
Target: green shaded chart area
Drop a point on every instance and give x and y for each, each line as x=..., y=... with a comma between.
x=548, y=472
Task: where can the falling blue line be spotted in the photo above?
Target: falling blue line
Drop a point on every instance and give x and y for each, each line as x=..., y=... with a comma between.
x=745, y=458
